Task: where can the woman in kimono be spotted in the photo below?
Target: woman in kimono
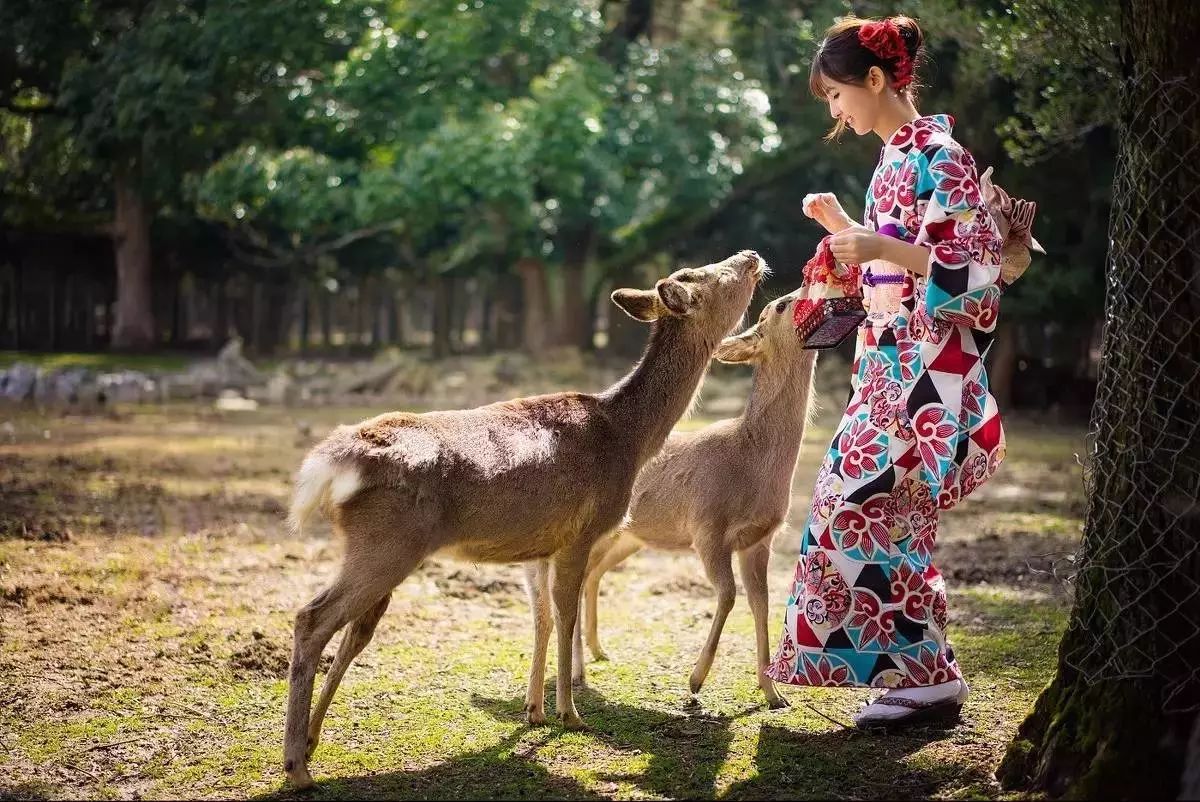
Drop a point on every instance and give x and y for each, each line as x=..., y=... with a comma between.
x=921, y=431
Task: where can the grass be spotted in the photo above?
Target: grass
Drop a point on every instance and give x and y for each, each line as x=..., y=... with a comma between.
x=97, y=361
x=147, y=588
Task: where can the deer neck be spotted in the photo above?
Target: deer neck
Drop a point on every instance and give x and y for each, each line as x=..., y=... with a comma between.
x=777, y=410
x=647, y=403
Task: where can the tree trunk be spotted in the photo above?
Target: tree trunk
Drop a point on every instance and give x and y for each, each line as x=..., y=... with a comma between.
x=6, y=307
x=359, y=324
x=305, y=316
x=253, y=333
x=220, y=332
x=535, y=296
x=134, y=329
x=487, y=315
x=326, y=319
x=506, y=314
x=17, y=308
x=575, y=326
x=179, y=296
x=89, y=314
x=460, y=314
x=443, y=298
x=396, y=297
x=1116, y=720
x=1003, y=365
x=54, y=320
x=275, y=302
x=379, y=315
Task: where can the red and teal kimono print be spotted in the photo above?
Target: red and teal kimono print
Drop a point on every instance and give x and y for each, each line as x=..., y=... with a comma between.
x=921, y=431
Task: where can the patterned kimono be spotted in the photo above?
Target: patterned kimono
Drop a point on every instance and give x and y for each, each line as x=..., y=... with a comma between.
x=867, y=606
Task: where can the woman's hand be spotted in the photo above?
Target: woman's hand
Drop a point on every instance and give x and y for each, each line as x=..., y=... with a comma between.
x=856, y=245
x=825, y=209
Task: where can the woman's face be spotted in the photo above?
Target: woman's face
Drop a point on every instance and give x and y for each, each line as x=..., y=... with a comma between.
x=856, y=106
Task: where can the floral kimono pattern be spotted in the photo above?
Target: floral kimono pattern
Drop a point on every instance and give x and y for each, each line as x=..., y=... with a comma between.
x=921, y=431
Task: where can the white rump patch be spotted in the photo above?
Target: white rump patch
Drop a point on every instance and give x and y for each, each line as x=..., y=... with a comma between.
x=319, y=479
x=346, y=482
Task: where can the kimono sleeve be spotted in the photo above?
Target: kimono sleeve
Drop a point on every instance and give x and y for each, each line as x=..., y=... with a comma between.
x=963, y=284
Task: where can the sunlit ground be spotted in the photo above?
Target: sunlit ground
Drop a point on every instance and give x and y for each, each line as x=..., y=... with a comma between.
x=147, y=586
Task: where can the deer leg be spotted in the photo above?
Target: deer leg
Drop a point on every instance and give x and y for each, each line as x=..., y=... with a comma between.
x=578, y=672
x=753, y=564
x=364, y=580
x=357, y=637
x=719, y=567
x=566, y=581
x=612, y=553
x=537, y=585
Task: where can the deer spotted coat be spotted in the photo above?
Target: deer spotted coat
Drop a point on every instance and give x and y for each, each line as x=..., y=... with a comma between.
x=920, y=432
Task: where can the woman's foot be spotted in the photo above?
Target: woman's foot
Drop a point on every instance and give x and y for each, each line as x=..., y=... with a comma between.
x=903, y=706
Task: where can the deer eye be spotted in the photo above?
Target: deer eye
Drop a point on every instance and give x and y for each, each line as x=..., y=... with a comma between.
x=779, y=307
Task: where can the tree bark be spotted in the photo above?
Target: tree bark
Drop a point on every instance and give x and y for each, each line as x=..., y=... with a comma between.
x=220, y=331
x=134, y=329
x=305, y=316
x=460, y=314
x=1004, y=363
x=53, y=298
x=506, y=316
x=326, y=304
x=1126, y=694
x=443, y=298
x=488, y=287
x=18, y=288
x=575, y=326
x=536, y=318
x=396, y=299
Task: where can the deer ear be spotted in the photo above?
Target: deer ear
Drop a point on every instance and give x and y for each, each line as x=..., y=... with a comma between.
x=675, y=297
x=642, y=305
x=740, y=347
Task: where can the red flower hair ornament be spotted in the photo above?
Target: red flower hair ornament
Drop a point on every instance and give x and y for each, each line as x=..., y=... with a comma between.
x=884, y=40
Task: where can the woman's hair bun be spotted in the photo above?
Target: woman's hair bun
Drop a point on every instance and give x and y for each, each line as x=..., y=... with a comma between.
x=910, y=31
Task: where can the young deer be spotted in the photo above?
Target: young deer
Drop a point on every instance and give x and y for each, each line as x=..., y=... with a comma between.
x=535, y=480
x=723, y=489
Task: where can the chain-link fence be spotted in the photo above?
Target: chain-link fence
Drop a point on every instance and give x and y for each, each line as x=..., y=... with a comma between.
x=1138, y=583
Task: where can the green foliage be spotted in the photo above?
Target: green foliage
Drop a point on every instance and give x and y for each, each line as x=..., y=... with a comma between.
x=1062, y=59
x=329, y=135
x=497, y=129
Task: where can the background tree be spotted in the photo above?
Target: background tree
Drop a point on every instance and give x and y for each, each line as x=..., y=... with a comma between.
x=503, y=163
x=149, y=90
x=1127, y=691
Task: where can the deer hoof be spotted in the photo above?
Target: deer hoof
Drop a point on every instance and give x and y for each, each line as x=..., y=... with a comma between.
x=778, y=703
x=572, y=721
x=599, y=655
x=535, y=718
x=311, y=746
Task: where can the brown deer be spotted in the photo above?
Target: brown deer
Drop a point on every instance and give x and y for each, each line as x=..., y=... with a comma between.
x=535, y=480
x=723, y=489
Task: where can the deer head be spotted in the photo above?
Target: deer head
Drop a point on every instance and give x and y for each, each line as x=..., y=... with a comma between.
x=711, y=298
x=772, y=338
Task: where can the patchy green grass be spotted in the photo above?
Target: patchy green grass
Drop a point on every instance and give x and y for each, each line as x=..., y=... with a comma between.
x=99, y=361
x=147, y=587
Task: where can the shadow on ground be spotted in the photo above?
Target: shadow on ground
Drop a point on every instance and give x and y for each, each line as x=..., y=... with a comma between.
x=681, y=756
